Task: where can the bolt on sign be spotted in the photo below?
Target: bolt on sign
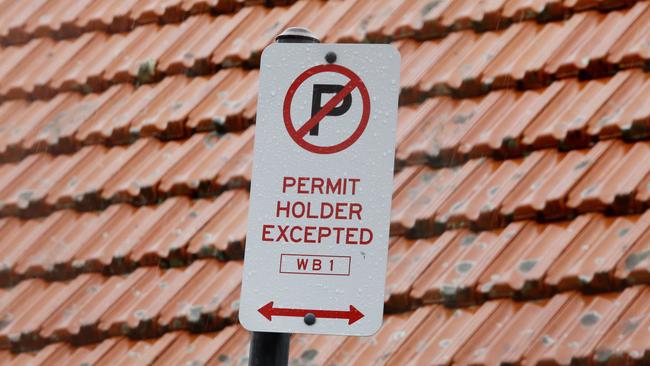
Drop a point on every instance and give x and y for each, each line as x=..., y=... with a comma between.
x=321, y=191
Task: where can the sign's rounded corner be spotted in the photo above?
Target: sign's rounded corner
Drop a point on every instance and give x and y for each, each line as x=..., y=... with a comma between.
x=268, y=50
x=375, y=329
x=244, y=322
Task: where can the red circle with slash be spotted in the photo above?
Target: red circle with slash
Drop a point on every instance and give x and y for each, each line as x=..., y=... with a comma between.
x=299, y=135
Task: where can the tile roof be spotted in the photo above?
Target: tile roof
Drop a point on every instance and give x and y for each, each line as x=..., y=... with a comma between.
x=152, y=52
x=67, y=120
x=520, y=222
x=567, y=327
x=386, y=19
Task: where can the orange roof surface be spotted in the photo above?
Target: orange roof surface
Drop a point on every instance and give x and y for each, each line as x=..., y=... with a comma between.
x=520, y=223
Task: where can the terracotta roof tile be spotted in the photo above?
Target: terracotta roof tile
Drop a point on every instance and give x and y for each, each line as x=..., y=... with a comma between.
x=58, y=19
x=100, y=15
x=580, y=327
x=633, y=267
x=467, y=63
x=54, y=16
x=481, y=193
x=223, y=235
x=522, y=266
x=387, y=19
x=126, y=174
x=563, y=341
x=458, y=268
x=407, y=261
x=122, y=237
x=171, y=109
x=590, y=260
x=16, y=16
x=461, y=267
x=544, y=184
x=471, y=198
x=510, y=342
x=451, y=277
x=625, y=340
x=144, y=303
x=177, y=106
x=203, y=37
x=87, y=115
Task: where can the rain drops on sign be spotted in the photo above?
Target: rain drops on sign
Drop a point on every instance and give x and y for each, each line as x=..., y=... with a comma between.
x=319, y=215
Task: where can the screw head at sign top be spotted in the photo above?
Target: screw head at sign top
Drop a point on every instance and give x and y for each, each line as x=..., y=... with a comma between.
x=296, y=35
x=330, y=57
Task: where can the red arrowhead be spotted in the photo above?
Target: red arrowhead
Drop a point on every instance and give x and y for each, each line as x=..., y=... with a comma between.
x=354, y=315
x=267, y=310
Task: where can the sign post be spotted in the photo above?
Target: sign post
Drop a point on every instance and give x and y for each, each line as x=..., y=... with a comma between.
x=319, y=215
x=272, y=349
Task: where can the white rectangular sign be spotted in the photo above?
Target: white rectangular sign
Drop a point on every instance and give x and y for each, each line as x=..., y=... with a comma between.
x=321, y=191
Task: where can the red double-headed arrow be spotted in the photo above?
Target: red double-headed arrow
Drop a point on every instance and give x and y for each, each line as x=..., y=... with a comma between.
x=351, y=315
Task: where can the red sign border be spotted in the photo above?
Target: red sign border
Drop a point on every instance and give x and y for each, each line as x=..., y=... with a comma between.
x=365, y=115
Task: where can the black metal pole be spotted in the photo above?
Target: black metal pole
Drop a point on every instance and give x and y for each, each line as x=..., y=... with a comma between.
x=269, y=349
x=272, y=349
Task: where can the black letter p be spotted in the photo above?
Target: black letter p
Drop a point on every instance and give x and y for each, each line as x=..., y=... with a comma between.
x=319, y=90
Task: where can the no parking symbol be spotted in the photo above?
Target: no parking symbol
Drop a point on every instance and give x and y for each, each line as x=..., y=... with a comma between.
x=338, y=105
